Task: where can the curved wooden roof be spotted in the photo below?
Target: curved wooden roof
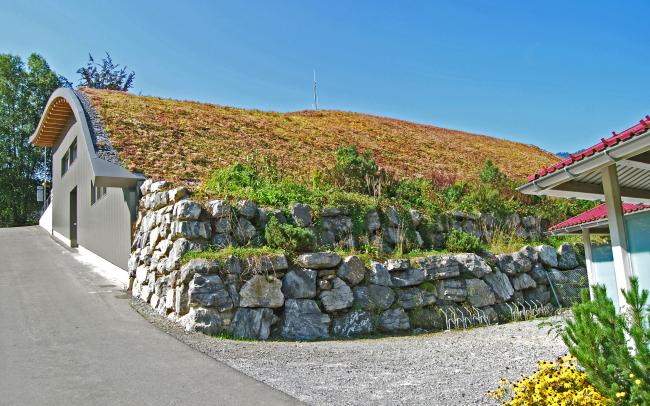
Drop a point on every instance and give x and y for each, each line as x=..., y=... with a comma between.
x=55, y=117
x=62, y=105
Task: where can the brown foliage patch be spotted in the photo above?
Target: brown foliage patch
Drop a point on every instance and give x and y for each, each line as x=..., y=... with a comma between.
x=184, y=141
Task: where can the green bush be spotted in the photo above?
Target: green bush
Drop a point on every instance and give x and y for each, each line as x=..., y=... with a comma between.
x=352, y=169
x=613, y=349
x=460, y=241
x=415, y=193
x=256, y=181
x=288, y=237
x=491, y=174
x=357, y=186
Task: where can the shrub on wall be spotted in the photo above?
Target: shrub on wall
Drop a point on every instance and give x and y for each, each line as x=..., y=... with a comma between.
x=460, y=241
x=288, y=237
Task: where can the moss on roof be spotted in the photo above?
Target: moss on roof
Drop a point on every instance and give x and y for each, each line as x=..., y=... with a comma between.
x=184, y=141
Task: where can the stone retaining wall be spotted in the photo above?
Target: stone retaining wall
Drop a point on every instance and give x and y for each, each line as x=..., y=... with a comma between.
x=318, y=295
x=220, y=223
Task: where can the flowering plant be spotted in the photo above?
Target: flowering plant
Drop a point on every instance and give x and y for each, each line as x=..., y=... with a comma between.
x=554, y=383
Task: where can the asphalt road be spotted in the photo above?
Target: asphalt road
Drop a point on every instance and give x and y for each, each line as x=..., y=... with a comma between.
x=69, y=337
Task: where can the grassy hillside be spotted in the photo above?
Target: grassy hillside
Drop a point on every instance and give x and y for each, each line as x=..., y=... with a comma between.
x=185, y=141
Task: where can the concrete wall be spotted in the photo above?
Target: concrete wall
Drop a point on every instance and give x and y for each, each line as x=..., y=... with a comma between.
x=637, y=227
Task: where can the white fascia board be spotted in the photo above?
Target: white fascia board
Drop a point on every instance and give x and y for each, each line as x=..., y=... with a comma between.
x=580, y=227
x=624, y=150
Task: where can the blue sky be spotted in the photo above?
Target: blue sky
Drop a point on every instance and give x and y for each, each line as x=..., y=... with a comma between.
x=557, y=74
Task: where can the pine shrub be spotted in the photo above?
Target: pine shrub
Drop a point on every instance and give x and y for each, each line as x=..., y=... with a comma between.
x=613, y=348
x=460, y=241
x=290, y=238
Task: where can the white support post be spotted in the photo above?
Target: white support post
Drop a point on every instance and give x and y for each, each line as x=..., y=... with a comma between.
x=586, y=239
x=622, y=267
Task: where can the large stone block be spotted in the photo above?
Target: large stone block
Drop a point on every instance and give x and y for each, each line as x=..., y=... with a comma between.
x=191, y=230
x=252, y=323
x=415, y=297
x=177, y=194
x=411, y=277
x=440, y=267
x=540, y=294
x=547, y=255
x=379, y=275
x=567, y=258
x=373, y=223
x=373, y=297
x=319, y=260
x=245, y=231
x=206, y=321
x=261, y=291
x=267, y=263
x=220, y=209
x=531, y=253
x=522, y=281
x=500, y=285
x=397, y=265
x=472, y=265
x=187, y=210
x=303, y=320
x=351, y=270
x=427, y=318
x=182, y=304
x=155, y=201
x=338, y=298
x=353, y=324
x=158, y=186
x=299, y=284
x=179, y=248
x=146, y=185
x=301, y=214
x=197, y=265
x=516, y=263
x=247, y=209
x=479, y=293
x=538, y=273
x=209, y=291
x=451, y=289
x=393, y=320
x=392, y=216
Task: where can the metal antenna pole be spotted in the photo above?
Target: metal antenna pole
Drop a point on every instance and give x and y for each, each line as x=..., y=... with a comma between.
x=315, y=94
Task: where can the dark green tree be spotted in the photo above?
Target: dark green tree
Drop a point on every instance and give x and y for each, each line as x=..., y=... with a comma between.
x=613, y=348
x=105, y=75
x=24, y=91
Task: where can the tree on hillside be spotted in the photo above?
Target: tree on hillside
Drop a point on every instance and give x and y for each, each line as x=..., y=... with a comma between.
x=105, y=75
x=24, y=91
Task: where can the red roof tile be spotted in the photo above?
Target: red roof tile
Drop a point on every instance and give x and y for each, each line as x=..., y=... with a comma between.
x=597, y=213
x=623, y=136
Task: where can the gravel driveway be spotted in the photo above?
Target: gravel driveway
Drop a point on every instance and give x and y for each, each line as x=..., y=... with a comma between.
x=447, y=368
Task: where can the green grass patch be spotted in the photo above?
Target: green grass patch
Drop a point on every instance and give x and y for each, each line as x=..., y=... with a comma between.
x=224, y=253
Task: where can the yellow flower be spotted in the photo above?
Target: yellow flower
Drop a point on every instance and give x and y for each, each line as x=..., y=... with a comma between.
x=620, y=394
x=638, y=382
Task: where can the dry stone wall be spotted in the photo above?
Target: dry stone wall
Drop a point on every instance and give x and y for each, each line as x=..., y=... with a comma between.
x=317, y=295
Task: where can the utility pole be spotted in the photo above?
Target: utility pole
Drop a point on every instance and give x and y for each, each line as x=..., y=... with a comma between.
x=315, y=93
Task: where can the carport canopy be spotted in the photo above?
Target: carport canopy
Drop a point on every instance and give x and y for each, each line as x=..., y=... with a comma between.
x=615, y=170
